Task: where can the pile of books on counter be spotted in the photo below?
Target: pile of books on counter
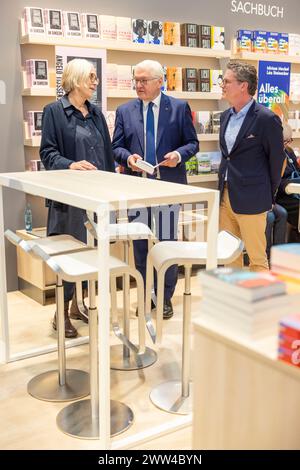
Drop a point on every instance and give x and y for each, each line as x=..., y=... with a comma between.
x=248, y=303
x=289, y=339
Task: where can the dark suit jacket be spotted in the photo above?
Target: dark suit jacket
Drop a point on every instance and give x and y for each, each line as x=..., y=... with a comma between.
x=175, y=131
x=255, y=161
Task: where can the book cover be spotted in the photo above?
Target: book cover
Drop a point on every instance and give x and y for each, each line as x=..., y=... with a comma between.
x=90, y=26
x=53, y=23
x=155, y=32
x=34, y=123
x=286, y=256
x=294, y=44
x=108, y=27
x=72, y=24
x=37, y=73
x=203, y=122
x=244, y=40
x=204, y=36
x=215, y=121
x=283, y=43
x=189, y=79
x=174, y=79
x=124, y=28
x=33, y=20
x=218, y=37
x=259, y=41
x=112, y=76
x=140, y=31
x=188, y=35
x=272, y=42
x=246, y=285
x=204, y=80
x=124, y=77
x=171, y=33
x=215, y=78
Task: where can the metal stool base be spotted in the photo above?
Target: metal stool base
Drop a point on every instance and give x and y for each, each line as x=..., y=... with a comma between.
x=76, y=420
x=133, y=362
x=167, y=396
x=46, y=386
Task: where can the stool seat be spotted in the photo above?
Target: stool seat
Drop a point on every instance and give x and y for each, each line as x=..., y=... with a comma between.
x=181, y=253
x=84, y=265
x=58, y=244
x=130, y=231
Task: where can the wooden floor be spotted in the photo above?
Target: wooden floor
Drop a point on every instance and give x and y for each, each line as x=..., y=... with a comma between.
x=27, y=423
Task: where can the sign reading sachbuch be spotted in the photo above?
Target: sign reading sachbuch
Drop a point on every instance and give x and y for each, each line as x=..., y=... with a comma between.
x=274, y=86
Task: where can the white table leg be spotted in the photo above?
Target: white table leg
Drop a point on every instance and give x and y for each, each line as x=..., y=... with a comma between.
x=212, y=229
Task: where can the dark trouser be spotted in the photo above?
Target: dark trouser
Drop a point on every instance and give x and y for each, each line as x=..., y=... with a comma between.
x=166, y=226
x=276, y=227
x=291, y=204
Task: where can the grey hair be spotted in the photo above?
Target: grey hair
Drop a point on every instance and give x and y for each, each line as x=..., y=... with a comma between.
x=75, y=72
x=152, y=66
x=244, y=73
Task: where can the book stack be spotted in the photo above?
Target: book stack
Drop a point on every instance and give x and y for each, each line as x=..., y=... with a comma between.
x=53, y=23
x=249, y=303
x=34, y=123
x=90, y=26
x=72, y=25
x=289, y=339
x=189, y=79
x=285, y=262
x=37, y=73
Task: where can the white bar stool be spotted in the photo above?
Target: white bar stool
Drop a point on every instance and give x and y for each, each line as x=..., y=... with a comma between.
x=62, y=384
x=81, y=419
x=174, y=396
x=121, y=357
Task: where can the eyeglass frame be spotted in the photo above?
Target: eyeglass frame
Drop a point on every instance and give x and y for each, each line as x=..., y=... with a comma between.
x=143, y=81
x=93, y=78
x=225, y=82
x=288, y=141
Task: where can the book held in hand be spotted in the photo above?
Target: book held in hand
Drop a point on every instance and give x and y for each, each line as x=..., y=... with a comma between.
x=147, y=167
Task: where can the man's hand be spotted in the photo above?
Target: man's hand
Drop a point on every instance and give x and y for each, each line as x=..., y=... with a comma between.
x=82, y=165
x=171, y=160
x=131, y=162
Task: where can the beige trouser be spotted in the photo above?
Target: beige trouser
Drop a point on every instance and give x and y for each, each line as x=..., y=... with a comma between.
x=251, y=229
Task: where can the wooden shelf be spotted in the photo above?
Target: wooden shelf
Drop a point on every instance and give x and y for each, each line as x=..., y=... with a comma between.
x=185, y=95
x=35, y=91
x=255, y=56
x=33, y=142
x=128, y=46
x=296, y=135
x=204, y=178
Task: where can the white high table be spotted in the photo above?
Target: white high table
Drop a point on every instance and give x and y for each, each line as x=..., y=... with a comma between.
x=101, y=192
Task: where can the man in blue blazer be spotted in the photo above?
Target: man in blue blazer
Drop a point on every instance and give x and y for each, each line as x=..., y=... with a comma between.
x=158, y=129
x=251, y=141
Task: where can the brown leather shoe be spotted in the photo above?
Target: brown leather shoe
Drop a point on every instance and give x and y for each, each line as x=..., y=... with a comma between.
x=75, y=313
x=70, y=330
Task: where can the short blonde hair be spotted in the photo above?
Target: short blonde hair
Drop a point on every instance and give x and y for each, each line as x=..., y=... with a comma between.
x=75, y=72
x=151, y=66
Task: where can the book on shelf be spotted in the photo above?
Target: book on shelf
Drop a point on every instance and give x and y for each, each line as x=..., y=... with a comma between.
x=124, y=28
x=272, y=42
x=112, y=76
x=34, y=123
x=33, y=20
x=204, y=80
x=72, y=25
x=174, y=78
x=53, y=23
x=188, y=35
x=215, y=121
x=108, y=27
x=286, y=256
x=218, y=37
x=155, y=32
x=247, y=285
x=202, y=122
x=259, y=41
x=244, y=40
x=294, y=119
x=294, y=44
x=283, y=43
x=171, y=33
x=204, y=36
x=140, y=31
x=124, y=73
x=110, y=121
x=189, y=79
x=90, y=26
x=215, y=79
x=37, y=73
x=295, y=88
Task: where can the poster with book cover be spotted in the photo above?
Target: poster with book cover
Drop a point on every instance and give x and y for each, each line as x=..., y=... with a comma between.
x=274, y=86
x=97, y=57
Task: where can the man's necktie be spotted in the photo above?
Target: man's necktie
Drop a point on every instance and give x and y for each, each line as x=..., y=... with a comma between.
x=150, y=139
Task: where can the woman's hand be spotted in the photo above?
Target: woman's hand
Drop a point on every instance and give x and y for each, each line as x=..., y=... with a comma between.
x=82, y=165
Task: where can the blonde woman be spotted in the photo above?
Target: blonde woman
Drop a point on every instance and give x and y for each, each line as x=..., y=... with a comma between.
x=74, y=136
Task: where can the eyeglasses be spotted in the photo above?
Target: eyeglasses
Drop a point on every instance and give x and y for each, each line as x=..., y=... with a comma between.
x=225, y=82
x=93, y=78
x=143, y=81
x=288, y=141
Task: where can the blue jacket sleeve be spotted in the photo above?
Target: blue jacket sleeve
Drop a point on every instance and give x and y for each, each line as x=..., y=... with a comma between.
x=273, y=144
x=49, y=149
x=120, y=151
x=189, y=137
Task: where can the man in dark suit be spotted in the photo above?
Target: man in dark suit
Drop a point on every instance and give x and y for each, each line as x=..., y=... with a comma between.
x=158, y=129
x=251, y=142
